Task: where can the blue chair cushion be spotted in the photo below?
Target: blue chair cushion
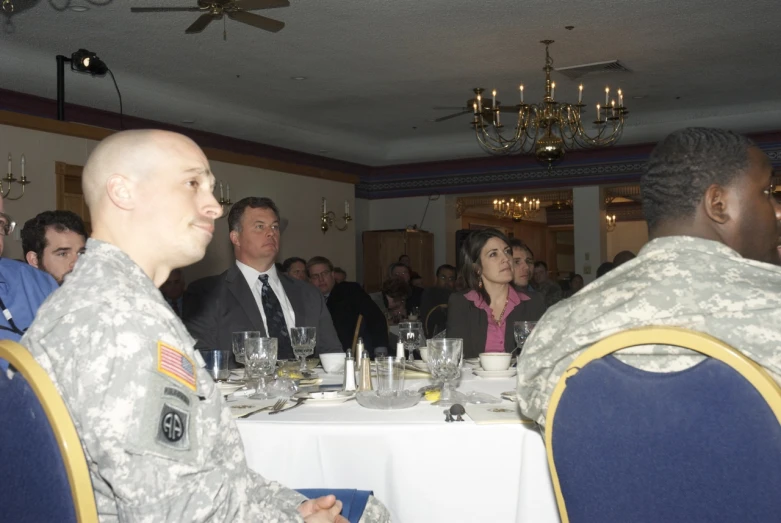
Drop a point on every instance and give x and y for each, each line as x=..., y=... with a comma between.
x=34, y=484
x=696, y=445
x=353, y=501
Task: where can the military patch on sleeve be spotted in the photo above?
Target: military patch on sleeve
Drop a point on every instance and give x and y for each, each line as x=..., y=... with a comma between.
x=176, y=365
x=173, y=430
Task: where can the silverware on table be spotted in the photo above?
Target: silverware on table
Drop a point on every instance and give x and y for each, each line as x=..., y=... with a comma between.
x=274, y=408
x=298, y=403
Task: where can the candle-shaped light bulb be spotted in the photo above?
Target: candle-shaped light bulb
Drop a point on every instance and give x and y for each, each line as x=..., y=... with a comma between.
x=599, y=116
x=480, y=103
x=324, y=206
x=553, y=90
x=228, y=191
x=23, y=162
x=613, y=107
x=474, y=107
x=620, y=98
x=580, y=94
x=521, y=93
x=493, y=99
x=346, y=208
x=222, y=199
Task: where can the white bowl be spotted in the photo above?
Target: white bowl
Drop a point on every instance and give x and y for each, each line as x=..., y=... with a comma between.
x=495, y=360
x=333, y=363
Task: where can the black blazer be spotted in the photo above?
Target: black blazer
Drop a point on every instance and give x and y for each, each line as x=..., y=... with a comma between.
x=348, y=300
x=466, y=321
x=217, y=306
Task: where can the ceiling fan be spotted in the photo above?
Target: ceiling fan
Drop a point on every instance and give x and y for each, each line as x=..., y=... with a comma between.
x=469, y=108
x=235, y=9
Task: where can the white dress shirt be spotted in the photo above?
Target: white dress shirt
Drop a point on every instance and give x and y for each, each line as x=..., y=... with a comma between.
x=256, y=286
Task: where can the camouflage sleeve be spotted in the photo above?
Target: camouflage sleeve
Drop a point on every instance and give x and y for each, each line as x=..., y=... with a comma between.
x=166, y=451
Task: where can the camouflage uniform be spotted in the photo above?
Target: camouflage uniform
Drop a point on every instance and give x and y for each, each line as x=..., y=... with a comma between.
x=680, y=281
x=159, y=442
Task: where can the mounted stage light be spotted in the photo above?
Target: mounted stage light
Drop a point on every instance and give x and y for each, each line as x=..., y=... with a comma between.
x=82, y=61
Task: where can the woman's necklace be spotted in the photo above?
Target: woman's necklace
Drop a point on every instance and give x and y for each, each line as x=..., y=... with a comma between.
x=501, y=315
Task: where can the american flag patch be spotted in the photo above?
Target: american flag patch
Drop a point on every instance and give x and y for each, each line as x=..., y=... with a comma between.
x=173, y=363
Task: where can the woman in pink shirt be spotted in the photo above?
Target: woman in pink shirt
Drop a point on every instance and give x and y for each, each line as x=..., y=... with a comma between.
x=483, y=316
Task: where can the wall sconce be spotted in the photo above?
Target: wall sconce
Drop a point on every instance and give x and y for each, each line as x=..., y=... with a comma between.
x=10, y=179
x=225, y=199
x=611, y=222
x=328, y=217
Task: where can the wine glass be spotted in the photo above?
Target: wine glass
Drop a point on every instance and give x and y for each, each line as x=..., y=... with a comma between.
x=261, y=362
x=411, y=335
x=303, y=340
x=522, y=330
x=444, y=360
x=238, y=339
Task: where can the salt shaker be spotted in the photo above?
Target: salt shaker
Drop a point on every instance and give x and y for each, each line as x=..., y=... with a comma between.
x=366, y=373
x=359, y=350
x=400, y=351
x=349, y=373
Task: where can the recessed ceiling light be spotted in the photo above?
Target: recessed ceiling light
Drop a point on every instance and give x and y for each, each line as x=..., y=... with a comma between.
x=298, y=77
x=322, y=151
x=79, y=8
x=188, y=121
x=639, y=97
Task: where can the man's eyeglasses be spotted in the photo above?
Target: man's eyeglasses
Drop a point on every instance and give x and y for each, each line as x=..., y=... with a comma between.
x=320, y=276
x=448, y=278
x=7, y=225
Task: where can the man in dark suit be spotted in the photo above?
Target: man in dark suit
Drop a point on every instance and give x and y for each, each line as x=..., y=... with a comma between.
x=346, y=301
x=252, y=295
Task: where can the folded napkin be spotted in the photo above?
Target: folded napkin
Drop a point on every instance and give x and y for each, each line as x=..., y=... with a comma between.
x=495, y=413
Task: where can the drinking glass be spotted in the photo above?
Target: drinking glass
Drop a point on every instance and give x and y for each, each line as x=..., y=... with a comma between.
x=390, y=376
x=522, y=330
x=445, y=357
x=303, y=340
x=217, y=363
x=411, y=334
x=238, y=339
x=261, y=362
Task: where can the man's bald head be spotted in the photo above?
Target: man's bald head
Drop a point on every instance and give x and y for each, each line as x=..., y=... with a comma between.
x=134, y=154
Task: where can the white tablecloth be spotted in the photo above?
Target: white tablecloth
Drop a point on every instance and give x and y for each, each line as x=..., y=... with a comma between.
x=423, y=469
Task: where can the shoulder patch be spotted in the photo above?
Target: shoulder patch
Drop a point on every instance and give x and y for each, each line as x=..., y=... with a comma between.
x=174, y=364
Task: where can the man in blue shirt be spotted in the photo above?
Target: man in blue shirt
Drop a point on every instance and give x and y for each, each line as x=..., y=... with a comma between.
x=22, y=289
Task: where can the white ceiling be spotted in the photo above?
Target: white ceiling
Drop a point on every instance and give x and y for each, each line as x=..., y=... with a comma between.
x=376, y=68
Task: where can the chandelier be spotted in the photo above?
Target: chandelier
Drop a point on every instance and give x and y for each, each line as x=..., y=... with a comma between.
x=549, y=127
x=516, y=210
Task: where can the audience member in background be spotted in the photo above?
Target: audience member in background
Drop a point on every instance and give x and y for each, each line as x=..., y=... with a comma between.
x=22, y=289
x=53, y=241
x=484, y=316
x=416, y=280
x=251, y=295
x=402, y=272
x=523, y=263
x=159, y=441
x=604, y=269
x=392, y=299
x=339, y=275
x=550, y=290
x=575, y=284
x=404, y=259
x=623, y=257
x=435, y=297
x=295, y=268
x=346, y=301
x=173, y=290
x=714, y=228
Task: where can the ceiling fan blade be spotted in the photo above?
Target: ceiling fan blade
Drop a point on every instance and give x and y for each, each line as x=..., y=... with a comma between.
x=164, y=9
x=252, y=5
x=201, y=23
x=441, y=108
x=452, y=116
x=261, y=22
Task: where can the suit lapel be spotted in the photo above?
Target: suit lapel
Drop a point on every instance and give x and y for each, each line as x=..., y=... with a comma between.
x=237, y=285
x=292, y=296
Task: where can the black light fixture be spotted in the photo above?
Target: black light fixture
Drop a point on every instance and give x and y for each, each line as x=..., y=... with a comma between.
x=81, y=61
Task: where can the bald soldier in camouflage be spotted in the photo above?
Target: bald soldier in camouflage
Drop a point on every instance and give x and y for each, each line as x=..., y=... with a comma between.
x=714, y=226
x=160, y=443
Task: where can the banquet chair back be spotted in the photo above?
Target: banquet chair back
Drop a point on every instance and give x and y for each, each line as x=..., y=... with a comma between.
x=45, y=475
x=436, y=320
x=701, y=444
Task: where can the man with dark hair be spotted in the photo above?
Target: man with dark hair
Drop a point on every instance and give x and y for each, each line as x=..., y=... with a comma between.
x=346, y=301
x=339, y=275
x=295, y=268
x=173, y=290
x=251, y=295
x=523, y=267
x=550, y=290
x=437, y=296
x=623, y=257
x=53, y=241
x=714, y=227
x=605, y=268
x=446, y=277
x=401, y=271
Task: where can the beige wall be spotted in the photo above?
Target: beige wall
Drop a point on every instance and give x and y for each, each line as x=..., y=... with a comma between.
x=627, y=236
x=298, y=199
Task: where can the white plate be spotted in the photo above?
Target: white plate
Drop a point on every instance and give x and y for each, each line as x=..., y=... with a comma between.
x=472, y=361
x=324, y=398
x=496, y=373
x=227, y=388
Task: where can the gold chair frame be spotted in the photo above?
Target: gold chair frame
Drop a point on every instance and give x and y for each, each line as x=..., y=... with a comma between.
x=673, y=336
x=62, y=425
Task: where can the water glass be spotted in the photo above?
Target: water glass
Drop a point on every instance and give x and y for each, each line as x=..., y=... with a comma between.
x=390, y=376
x=411, y=335
x=303, y=340
x=445, y=357
x=237, y=339
x=217, y=363
x=522, y=330
x=261, y=362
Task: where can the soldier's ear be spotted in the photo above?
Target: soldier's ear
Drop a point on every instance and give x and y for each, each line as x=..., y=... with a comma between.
x=119, y=190
x=715, y=204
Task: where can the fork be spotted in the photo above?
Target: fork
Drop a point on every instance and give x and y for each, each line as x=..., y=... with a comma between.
x=298, y=402
x=273, y=408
